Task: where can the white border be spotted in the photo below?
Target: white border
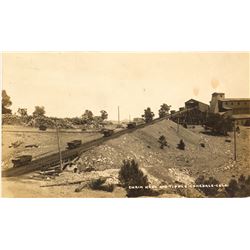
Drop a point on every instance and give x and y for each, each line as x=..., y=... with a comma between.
x=192, y=25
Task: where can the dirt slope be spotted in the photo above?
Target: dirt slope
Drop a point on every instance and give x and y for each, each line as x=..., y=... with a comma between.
x=169, y=164
x=163, y=166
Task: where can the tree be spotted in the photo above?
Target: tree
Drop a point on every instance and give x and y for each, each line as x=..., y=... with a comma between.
x=104, y=115
x=39, y=111
x=6, y=102
x=164, y=110
x=163, y=142
x=22, y=112
x=219, y=124
x=88, y=115
x=131, y=176
x=148, y=115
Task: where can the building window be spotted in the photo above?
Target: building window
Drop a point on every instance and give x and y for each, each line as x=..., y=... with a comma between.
x=226, y=103
x=232, y=103
x=238, y=103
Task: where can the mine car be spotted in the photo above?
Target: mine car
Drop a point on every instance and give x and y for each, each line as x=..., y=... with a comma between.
x=21, y=160
x=107, y=132
x=131, y=125
x=74, y=144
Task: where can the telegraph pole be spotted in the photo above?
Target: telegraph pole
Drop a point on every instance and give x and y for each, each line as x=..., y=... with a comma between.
x=59, y=149
x=178, y=125
x=118, y=115
x=235, y=141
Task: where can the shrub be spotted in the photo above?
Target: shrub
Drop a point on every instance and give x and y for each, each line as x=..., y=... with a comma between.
x=184, y=125
x=130, y=176
x=181, y=145
x=232, y=188
x=99, y=184
x=163, y=142
x=210, y=187
x=240, y=188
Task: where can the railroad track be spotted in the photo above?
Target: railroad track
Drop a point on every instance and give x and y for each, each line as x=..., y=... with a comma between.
x=68, y=154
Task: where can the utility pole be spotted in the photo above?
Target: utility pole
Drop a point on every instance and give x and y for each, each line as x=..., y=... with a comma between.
x=118, y=115
x=59, y=149
x=235, y=140
x=178, y=125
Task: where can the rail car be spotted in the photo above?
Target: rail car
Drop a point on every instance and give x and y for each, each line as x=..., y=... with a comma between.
x=107, y=132
x=21, y=160
x=74, y=144
x=131, y=125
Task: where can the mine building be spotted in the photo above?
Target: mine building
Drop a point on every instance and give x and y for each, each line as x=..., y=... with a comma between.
x=194, y=112
x=236, y=108
x=203, y=107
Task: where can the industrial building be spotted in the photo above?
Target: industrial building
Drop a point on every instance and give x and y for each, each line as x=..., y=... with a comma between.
x=235, y=108
x=194, y=112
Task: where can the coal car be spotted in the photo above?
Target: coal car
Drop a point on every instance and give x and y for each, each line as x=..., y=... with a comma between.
x=21, y=160
x=74, y=144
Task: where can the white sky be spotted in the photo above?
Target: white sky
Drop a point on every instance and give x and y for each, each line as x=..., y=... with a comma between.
x=68, y=83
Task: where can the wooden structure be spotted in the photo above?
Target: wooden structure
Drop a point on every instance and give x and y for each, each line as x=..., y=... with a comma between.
x=194, y=112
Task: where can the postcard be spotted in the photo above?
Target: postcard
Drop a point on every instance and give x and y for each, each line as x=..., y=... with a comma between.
x=125, y=124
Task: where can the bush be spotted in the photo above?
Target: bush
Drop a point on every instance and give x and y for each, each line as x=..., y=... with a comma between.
x=99, y=184
x=184, y=125
x=240, y=188
x=181, y=145
x=163, y=142
x=130, y=176
x=232, y=188
x=210, y=187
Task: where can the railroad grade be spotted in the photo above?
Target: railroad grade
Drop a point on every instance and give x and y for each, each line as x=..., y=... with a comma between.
x=68, y=154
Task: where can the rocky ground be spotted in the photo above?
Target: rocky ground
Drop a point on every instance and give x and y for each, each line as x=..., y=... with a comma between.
x=162, y=166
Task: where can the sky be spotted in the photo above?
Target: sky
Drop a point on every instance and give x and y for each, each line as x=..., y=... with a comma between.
x=67, y=84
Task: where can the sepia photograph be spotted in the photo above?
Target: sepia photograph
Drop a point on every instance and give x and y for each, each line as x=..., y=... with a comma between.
x=125, y=124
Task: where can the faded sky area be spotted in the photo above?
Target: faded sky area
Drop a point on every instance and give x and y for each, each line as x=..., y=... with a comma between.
x=68, y=83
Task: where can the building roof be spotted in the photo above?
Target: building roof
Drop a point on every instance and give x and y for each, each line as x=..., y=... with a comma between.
x=216, y=93
x=193, y=100
x=235, y=99
x=241, y=116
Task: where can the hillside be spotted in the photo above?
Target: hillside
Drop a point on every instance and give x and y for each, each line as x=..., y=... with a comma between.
x=163, y=166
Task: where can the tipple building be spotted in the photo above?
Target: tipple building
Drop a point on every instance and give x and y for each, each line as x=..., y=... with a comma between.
x=237, y=108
